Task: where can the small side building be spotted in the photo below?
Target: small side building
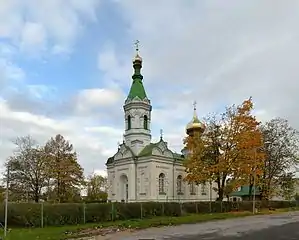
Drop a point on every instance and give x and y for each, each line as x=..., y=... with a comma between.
x=243, y=194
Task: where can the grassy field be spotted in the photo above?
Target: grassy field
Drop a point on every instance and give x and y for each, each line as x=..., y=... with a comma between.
x=67, y=232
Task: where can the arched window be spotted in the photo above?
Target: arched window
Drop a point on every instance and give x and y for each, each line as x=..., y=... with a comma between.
x=162, y=183
x=129, y=122
x=192, y=188
x=145, y=122
x=142, y=183
x=179, y=184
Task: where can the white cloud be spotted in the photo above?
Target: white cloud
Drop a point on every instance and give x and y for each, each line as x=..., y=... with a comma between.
x=90, y=99
x=50, y=23
x=215, y=53
x=93, y=147
x=33, y=37
x=220, y=53
x=105, y=130
x=100, y=172
x=40, y=91
x=109, y=60
x=9, y=72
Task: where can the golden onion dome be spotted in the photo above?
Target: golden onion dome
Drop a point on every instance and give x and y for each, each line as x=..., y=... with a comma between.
x=195, y=123
x=137, y=58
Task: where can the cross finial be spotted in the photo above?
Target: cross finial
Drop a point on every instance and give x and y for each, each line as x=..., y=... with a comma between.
x=161, y=134
x=137, y=45
x=194, y=105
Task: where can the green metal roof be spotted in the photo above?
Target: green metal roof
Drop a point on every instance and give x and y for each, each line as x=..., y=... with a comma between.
x=137, y=90
x=244, y=191
x=148, y=151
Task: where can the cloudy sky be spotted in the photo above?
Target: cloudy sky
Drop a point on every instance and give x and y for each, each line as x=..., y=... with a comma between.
x=66, y=66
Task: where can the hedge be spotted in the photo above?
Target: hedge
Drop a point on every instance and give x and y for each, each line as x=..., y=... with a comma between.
x=46, y=214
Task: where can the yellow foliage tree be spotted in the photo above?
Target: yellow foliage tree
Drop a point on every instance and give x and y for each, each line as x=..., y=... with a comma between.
x=66, y=174
x=226, y=150
x=96, y=188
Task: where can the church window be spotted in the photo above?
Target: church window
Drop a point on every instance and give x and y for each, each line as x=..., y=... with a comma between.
x=129, y=122
x=142, y=190
x=203, y=189
x=162, y=183
x=145, y=122
x=179, y=182
x=192, y=188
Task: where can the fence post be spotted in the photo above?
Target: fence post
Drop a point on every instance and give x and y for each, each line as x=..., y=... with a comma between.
x=163, y=210
x=42, y=215
x=84, y=213
x=196, y=207
x=181, y=208
x=141, y=210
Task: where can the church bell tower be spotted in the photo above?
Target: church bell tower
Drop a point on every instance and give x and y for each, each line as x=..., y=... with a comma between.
x=137, y=110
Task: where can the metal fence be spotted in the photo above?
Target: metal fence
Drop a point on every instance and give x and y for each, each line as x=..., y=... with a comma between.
x=42, y=214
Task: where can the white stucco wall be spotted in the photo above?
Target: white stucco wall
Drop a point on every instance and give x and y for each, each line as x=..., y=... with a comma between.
x=143, y=181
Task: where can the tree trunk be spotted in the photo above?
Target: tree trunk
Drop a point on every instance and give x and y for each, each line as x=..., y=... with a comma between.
x=251, y=192
x=220, y=195
x=36, y=194
x=220, y=190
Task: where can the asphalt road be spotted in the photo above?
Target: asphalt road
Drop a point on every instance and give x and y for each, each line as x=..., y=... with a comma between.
x=288, y=231
x=283, y=226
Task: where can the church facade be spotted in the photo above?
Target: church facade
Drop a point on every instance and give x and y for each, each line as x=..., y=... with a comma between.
x=145, y=171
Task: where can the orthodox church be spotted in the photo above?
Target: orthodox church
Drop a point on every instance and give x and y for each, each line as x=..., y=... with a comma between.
x=142, y=170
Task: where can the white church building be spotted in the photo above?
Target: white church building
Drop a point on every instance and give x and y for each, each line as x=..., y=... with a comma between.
x=145, y=171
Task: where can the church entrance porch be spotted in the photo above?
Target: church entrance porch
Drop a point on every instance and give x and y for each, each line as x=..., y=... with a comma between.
x=124, y=188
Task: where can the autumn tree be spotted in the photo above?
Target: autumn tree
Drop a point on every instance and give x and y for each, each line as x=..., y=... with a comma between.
x=226, y=149
x=2, y=193
x=287, y=185
x=27, y=169
x=66, y=173
x=96, y=188
x=282, y=151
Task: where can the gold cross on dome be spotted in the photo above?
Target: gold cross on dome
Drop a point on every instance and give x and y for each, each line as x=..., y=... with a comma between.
x=194, y=105
x=137, y=45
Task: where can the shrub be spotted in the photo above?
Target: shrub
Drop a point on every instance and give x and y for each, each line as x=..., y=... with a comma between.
x=30, y=214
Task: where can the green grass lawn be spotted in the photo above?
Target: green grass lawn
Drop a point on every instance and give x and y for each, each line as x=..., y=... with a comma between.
x=59, y=233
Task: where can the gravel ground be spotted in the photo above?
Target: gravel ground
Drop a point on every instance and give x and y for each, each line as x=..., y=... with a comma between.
x=283, y=226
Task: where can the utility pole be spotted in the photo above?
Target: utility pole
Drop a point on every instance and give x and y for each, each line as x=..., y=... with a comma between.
x=211, y=196
x=254, y=177
x=6, y=202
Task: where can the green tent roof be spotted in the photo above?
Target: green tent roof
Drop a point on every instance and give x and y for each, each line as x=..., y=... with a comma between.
x=137, y=90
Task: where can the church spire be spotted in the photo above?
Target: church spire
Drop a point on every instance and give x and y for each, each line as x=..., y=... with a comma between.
x=137, y=89
x=137, y=109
